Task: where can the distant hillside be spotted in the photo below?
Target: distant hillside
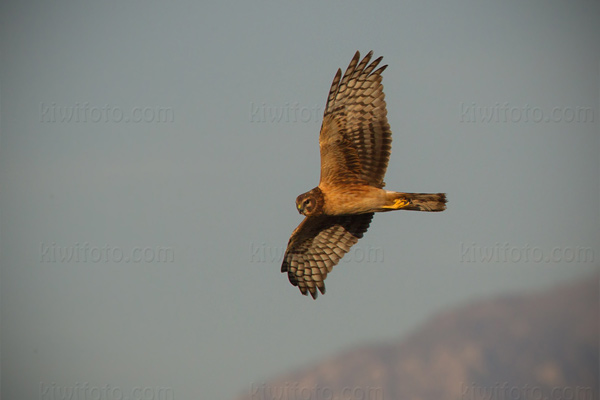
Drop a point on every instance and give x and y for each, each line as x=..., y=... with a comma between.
x=536, y=346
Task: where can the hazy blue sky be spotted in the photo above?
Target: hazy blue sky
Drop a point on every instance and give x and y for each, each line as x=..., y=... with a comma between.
x=150, y=155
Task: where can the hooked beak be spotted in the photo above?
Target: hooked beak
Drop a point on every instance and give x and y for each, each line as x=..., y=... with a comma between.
x=300, y=208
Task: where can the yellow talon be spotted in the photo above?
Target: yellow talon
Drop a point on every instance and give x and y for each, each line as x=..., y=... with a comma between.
x=398, y=204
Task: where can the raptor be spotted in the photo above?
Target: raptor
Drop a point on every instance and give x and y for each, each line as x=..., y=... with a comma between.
x=355, y=143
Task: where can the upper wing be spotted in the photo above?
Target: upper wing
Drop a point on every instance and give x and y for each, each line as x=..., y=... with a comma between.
x=355, y=138
x=317, y=244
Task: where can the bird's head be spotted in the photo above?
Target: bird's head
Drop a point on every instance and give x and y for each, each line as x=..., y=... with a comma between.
x=310, y=203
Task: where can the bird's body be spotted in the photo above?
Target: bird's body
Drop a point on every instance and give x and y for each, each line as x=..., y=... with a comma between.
x=350, y=199
x=360, y=199
x=355, y=144
x=353, y=199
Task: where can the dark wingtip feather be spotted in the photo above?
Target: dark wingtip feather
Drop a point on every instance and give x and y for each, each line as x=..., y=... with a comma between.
x=380, y=70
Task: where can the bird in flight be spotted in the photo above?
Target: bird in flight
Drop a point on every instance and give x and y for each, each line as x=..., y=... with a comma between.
x=355, y=143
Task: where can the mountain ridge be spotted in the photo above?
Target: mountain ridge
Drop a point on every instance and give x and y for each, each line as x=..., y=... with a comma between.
x=528, y=346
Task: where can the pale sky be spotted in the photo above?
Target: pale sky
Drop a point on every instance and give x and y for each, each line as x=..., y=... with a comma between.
x=151, y=153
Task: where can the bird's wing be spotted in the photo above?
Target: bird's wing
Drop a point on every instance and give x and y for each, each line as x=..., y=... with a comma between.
x=355, y=138
x=317, y=244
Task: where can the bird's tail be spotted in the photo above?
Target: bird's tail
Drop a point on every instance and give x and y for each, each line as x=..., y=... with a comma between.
x=415, y=201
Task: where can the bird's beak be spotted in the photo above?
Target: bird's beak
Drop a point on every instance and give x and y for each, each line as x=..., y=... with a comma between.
x=300, y=208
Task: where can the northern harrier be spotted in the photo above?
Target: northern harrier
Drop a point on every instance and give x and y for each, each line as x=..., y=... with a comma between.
x=355, y=143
